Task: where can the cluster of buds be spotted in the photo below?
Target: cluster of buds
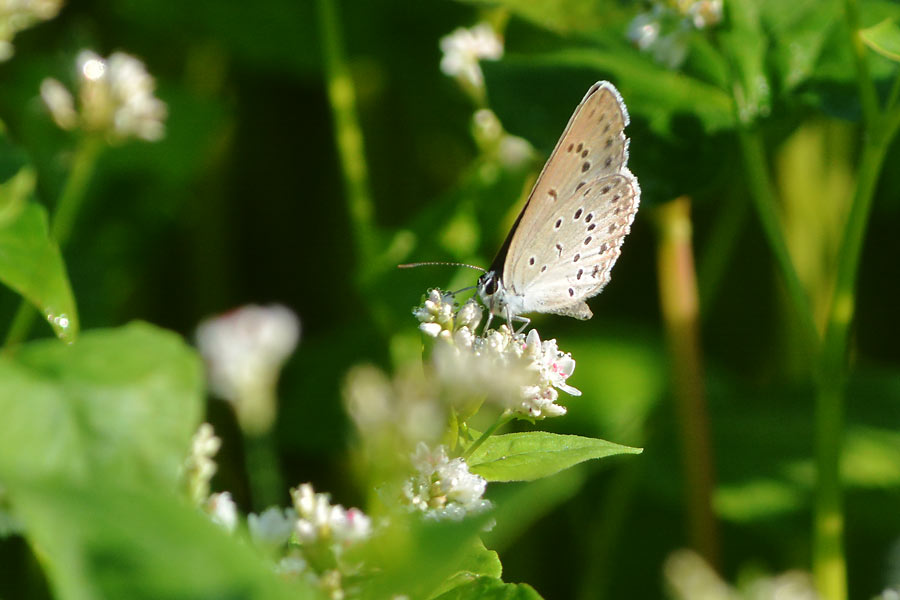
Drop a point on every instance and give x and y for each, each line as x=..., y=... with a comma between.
x=115, y=99
x=664, y=29
x=443, y=488
x=519, y=371
x=16, y=15
x=199, y=466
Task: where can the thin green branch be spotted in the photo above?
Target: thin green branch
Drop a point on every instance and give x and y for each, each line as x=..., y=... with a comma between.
x=348, y=133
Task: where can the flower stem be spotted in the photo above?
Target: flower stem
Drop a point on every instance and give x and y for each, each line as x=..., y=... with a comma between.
x=348, y=133
x=829, y=562
x=67, y=209
x=502, y=420
x=679, y=300
x=263, y=471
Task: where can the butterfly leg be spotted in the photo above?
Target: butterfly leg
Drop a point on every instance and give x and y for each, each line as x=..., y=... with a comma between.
x=525, y=322
x=487, y=324
x=511, y=317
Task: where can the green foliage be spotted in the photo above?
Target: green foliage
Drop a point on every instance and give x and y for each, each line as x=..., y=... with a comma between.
x=782, y=115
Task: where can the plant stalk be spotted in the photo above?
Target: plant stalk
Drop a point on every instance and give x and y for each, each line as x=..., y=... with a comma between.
x=348, y=133
x=679, y=302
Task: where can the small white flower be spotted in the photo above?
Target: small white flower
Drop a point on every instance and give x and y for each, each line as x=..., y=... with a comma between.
x=115, y=98
x=435, y=314
x=273, y=527
x=16, y=15
x=244, y=351
x=705, y=13
x=643, y=31
x=664, y=30
x=469, y=316
x=443, y=488
x=465, y=47
x=515, y=151
x=320, y=521
x=223, y=511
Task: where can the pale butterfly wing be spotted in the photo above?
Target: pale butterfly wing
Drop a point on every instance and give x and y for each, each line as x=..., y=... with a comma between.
x=567, y=239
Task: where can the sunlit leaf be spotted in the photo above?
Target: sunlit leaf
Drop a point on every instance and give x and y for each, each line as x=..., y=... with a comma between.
x=536, y=454
x=30, y=262
x=125, y=401
x=883, y=38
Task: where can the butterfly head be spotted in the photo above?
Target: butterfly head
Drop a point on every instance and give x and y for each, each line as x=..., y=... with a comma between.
x=490, y=289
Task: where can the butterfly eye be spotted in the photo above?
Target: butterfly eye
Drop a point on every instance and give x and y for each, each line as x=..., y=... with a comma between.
x=490, y=284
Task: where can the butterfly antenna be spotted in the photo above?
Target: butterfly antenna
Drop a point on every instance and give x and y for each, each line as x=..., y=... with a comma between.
x=449, y=264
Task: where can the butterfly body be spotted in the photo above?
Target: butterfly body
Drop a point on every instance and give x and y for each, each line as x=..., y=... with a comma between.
x=562, y=247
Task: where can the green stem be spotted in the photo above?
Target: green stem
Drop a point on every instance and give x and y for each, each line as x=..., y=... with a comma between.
x=348, y=133
x=62, y=223
x=829, y=565
x=263, y=471
x=502, y=420
x=829, y=562
x=762, y=192
x=679, y=303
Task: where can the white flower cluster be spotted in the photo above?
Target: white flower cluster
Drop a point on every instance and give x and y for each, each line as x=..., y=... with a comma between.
x=443, y=488
x=322, y=522
x=664, y=29
x=16, y=15
x=115, y=97
x=463, y=48
x=520, y=371
x=244, y=351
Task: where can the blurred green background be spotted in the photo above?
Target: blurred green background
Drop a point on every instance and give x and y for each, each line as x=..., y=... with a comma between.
x=243, y=201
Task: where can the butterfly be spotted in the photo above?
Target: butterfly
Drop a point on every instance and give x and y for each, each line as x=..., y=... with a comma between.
x=562, y=247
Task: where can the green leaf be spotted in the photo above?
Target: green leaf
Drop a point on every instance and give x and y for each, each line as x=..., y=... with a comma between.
x=883, y=38
x=488, y=588
x=800, y=32
x=30, y=262
x=535, y=454
x=100, y=539
x=123, y=401
x=746, y=43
